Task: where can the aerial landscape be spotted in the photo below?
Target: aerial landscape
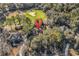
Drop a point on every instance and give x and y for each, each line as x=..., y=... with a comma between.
x=39, y=29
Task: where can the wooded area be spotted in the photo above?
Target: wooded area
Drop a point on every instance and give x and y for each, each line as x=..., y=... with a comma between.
x=19, y=37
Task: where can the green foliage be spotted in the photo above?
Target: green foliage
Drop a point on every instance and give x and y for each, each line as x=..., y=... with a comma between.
x=53, y=39
x=49, y=36
x=35, y=14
